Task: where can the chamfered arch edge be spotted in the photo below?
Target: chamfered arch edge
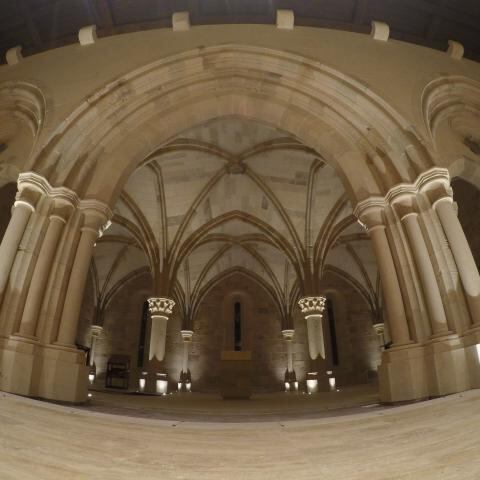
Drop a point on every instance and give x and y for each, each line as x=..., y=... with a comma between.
x=310, y=127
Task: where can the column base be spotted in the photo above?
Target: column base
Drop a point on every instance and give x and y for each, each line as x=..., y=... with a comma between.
x=185, y=381
x=44, y=371
x=319, y=366
x=442, y=366
x=447, y=366
x=471, y=341
x=290, y=381
x=402, y=374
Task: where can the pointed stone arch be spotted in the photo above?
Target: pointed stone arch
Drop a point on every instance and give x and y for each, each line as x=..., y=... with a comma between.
x=348, y=124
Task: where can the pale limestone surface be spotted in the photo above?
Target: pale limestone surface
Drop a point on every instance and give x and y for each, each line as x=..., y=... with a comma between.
x=55, y=442
x=394, y=122
x=262, y=407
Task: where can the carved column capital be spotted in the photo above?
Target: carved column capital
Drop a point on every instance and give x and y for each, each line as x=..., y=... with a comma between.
x=27, y=197
x=96, y=330
x=288, y=335
x=312, y=305
x=160, y=306
x=379, y=328
x=370, y=213
x=186, y=335
x=96, y=216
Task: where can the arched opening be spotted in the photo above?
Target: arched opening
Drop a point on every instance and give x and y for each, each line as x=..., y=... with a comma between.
x=7, y=198
x=333, y=333
x=259, y=176
x=467, y=197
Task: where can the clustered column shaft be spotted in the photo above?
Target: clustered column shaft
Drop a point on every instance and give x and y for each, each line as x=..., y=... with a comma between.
x=425, y=270
x=390, y=286
x=76, y=286
x=11, y=240
x=42, y=269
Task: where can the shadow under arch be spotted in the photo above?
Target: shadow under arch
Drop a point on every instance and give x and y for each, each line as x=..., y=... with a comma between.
x=22, y=118
x=451, y=113
x=102, y=142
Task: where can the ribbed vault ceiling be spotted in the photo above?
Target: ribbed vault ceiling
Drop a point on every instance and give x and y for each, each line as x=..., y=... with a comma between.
x=233, y=196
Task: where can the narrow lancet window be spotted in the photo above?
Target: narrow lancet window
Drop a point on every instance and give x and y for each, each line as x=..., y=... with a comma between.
x=333, y=334
x=237, y=326
x=143, y=334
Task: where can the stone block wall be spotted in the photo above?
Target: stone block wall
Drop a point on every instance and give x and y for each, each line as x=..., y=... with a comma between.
x=121, y=326
x=261, y=334
x=358, y=347
x=357, y=342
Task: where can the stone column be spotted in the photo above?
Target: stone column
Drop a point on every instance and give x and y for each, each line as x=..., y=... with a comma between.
x=97, y=331
x=380, y=331
x=185, y=376
x=288, y=337
x=160, y=309
x=370, y=213
x=187, y=341
x=462, y=254
x=93, y=222
x=433, y=299
x=290, y=375
x=23, y=207
x=312, y=308
x=41, y=272
x=391, y=287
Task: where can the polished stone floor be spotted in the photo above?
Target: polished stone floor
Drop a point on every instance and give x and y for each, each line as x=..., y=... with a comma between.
x=198, y=407
x=434, y=440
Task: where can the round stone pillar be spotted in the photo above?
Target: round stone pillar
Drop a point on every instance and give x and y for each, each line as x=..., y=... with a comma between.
x=433, y=298
x=94, y=220
x=291, y=383
x=97, y=331
x=462, y=254
x=312, y=309
x=380, y=332
x=288, y=337
x=160, y=309
x=23, y=207
x=57, y=220
x=390, y=286
x=185, y=381
x=187, y=341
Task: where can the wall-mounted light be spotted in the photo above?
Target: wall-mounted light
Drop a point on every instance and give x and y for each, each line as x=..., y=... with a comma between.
x=188, y=387
x=91, y=377
x=331, y=382
x=287, y=386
